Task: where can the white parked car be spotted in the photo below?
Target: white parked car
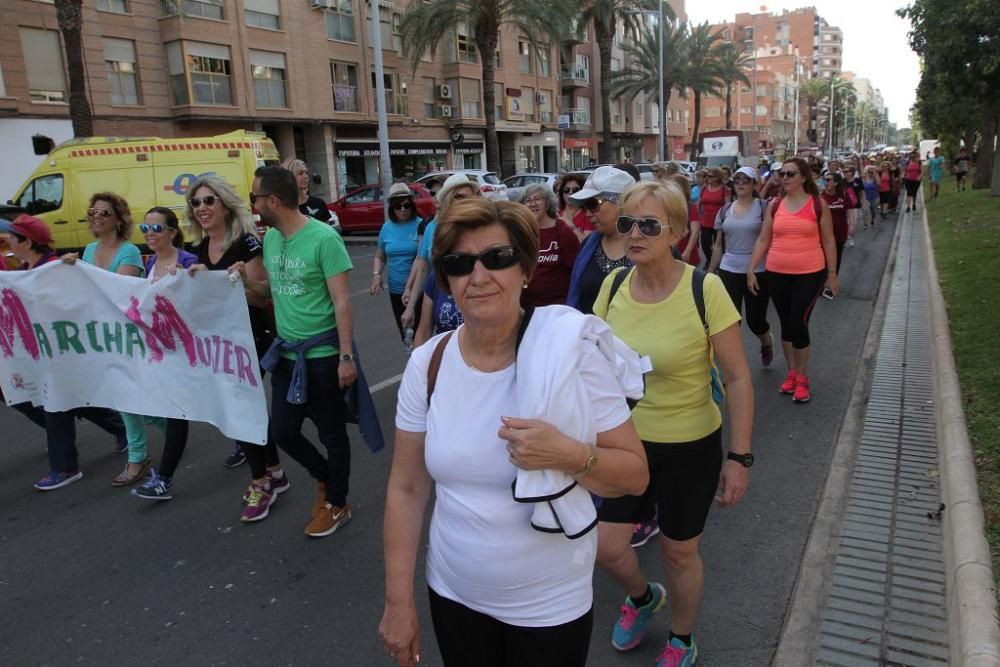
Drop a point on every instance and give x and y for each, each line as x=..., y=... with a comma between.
x=489, y=184
x=517, y=184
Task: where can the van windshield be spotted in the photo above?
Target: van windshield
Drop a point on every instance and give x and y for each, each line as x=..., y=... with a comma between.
x=43, y=194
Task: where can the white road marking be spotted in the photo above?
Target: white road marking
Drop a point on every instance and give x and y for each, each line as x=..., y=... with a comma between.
x=379, y=386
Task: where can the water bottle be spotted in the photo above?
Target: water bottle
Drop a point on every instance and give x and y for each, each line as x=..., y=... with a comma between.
x=408, y=340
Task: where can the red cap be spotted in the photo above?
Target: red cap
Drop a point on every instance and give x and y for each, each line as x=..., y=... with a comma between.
x=32, y=228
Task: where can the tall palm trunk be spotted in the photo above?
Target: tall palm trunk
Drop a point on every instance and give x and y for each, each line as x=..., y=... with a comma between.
x=69, y=15
x=697, y=125
x=604, y=41
x=668, y=92
x=487, y=44
x=729, y=105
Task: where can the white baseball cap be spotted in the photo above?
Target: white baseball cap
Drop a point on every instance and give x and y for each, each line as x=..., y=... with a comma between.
x=456, y=180
x=749, y=172
x=604, y=181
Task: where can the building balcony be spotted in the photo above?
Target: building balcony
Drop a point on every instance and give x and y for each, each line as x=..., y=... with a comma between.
x=579, y=119
x=574, y=76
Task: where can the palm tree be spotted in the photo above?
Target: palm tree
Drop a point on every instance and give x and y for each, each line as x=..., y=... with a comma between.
x=605, y=15
x=814, y=91
x=703, y=72
x=642, y=74
x=426, y=23
x=733, y=64
x=69, y=15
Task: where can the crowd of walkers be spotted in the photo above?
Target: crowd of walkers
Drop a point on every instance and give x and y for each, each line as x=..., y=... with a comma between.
x=495, y=420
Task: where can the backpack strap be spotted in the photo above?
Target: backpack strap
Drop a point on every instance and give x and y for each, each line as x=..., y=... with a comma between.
x=698, y=292
x=616, y=283
x=435, y=365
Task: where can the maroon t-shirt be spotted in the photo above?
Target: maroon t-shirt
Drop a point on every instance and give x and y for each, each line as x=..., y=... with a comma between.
x=838, y=212
x=557, y=250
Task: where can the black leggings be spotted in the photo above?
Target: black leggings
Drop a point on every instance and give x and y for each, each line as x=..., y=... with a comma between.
x=468, y=638
x=707, y=241
x=794, y=296
x=175, y=440
x=756, y=304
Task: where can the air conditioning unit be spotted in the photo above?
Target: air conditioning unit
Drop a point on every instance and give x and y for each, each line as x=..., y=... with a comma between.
x=541, y=98
x=444, y=92
x=445, y=111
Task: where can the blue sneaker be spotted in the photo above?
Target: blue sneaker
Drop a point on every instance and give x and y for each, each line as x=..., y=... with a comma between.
x=57, y=480
x=155, y=487
x=677, y=654
x=631, y=625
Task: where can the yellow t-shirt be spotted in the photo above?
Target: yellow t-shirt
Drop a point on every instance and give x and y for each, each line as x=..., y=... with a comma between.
x=678, y=405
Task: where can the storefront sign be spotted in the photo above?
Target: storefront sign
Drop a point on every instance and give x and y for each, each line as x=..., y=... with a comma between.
x=508, y=126
x=578, y=143
x=363, y=150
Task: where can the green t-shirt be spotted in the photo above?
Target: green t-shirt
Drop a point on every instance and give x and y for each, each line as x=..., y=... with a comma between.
x=298, y=268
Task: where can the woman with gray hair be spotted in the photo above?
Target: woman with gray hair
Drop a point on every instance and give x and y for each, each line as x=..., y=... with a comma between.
x=558, y=247
x=309, y=205
x=224, y=234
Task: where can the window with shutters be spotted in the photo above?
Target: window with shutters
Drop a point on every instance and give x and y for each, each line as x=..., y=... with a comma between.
x=207, y=9
x=263, y=14
x=528, y=103
x=43, y=60
x=471, y=98
x=268, y=79
x=524, y=50
x=200, y=73
x=123, y=71
x=345, y=86
x=430, y=97
x=340, y=20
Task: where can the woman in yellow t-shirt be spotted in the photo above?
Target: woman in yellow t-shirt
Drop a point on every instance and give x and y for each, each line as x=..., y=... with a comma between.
x=655, y=312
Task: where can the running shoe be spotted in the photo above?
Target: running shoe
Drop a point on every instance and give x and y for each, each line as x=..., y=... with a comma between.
x=644, y=532
x=678, y=654
x=57, y=480
x=328, y=519
x=788, y=386
x=767, y=352
x=631, y=625
x=236, y=457
x=258, y=505
x=277, y=486
x=155, y=487
x=801, y=394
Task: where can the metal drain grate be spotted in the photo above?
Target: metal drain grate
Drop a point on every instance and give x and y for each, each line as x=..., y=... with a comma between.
x=886, y=604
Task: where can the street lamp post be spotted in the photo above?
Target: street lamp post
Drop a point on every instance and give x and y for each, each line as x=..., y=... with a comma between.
x=832, y=111
x=383, y=122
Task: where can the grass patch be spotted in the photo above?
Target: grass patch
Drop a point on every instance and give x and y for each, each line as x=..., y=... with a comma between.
x=965, y=228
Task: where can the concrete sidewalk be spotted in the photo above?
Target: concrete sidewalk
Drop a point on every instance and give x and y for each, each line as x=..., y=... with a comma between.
x=872, y=585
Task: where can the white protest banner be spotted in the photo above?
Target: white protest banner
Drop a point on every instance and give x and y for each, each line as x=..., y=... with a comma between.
x=73, y=336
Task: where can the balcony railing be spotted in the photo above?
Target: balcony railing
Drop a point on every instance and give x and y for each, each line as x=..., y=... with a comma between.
x=578, y=118
x=577, y=74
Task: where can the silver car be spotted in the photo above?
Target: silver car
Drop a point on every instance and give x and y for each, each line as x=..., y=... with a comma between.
x=489, y=184
x=517, y=184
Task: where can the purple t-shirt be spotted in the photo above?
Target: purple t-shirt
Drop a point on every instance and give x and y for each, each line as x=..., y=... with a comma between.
x=184, y=258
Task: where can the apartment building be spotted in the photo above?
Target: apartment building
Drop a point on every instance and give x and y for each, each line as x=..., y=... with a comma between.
x=300, y=70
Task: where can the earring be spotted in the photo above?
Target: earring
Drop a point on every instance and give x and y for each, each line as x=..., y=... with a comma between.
x=524, y=285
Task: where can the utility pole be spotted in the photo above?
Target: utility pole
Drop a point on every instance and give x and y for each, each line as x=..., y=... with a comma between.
x=795, y=132
x=832, y=91
x=663, y=130
x=383, y=123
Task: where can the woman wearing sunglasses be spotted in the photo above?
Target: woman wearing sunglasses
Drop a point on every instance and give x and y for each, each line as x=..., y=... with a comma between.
x=801, y=259
x=165, y=238
x=398, y=243
x=498, y=586
x=568, y=210
x=737, y=227
x=111, y=222
x=225, y=235
x=654, y=311
x=604, y=250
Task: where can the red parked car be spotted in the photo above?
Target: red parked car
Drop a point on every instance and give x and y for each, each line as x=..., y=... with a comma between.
x=362, y=210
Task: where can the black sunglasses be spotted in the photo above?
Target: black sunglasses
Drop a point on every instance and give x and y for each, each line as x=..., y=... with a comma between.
x=594, y=203
x=254, y=196
x=494, y=259
x=156, y=228
x=647, y=226
x=571, y=191
x=209, y=201
x=786, y=174
x=402, y=205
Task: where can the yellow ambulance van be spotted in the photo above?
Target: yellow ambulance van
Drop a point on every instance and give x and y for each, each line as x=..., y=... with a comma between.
x=147, y=172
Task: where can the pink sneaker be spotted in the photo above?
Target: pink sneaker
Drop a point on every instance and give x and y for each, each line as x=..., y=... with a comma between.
x=788, y=386
x=258, y=504
x=277, y=486
x=801, y=394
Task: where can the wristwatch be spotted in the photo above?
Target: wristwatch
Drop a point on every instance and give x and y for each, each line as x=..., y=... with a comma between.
x=746, y=460
x=347, y=357
x=589, y=465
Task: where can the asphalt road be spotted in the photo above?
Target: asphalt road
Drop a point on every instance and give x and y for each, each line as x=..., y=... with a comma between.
x=91, y=575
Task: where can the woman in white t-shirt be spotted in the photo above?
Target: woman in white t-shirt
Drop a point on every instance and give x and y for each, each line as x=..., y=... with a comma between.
x=501, y=591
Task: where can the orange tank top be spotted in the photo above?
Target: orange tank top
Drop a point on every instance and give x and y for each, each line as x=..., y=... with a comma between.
x=796, y=247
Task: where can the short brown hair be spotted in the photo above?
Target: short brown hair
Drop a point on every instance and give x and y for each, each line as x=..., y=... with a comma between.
x=474, y=213
x=121, y=210
x=682, y=182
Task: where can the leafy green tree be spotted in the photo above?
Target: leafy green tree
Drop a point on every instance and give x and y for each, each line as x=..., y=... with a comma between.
x=606, y=16
x=426, y=23
x=703, y=71
x=733, y=64
x=642, y=74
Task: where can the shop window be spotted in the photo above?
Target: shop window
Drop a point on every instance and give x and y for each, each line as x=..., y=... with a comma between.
x=345, y=86
x=340, y=20
x=268, y=79
x=123, y=73
x=43, y=60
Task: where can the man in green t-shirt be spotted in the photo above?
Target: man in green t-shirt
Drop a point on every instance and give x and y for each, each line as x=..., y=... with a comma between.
x=307, y=264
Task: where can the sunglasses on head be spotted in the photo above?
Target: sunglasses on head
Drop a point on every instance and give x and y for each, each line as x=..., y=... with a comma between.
x=494, y=259
x=647, y=226
x=787, y=174
x=211, y=199
x=101, y=212
x=156, y=228
x=594, y=203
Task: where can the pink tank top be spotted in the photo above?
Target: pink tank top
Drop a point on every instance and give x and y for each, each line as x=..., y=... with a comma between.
x=795, y=241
